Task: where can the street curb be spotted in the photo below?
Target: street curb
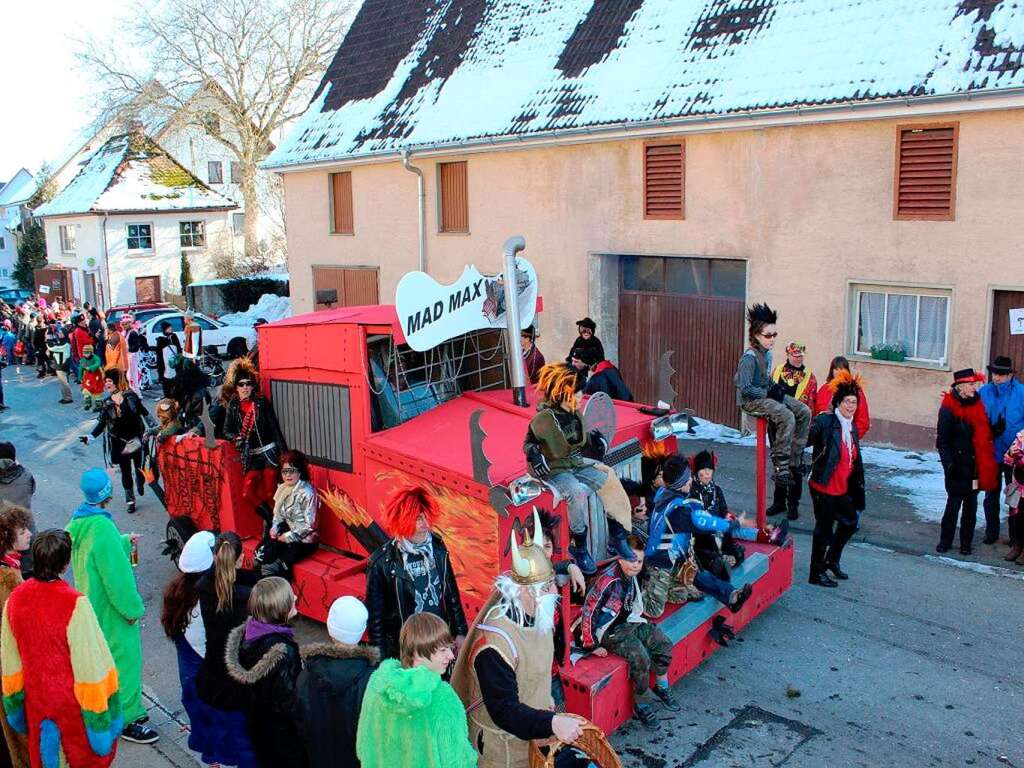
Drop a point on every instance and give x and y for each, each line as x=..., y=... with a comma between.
x=171, y=729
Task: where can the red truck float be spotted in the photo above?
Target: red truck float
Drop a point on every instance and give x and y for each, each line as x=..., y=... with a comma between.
x=371, y=412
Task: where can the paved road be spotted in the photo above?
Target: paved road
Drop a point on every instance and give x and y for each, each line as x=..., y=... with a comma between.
x=914, y=662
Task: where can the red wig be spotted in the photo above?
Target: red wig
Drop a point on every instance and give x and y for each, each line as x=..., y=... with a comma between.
x=403, y=508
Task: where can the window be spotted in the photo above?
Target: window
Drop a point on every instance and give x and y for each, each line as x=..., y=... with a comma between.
x=341, y=203
x=454, y=196
x=215, y=171
x=177, y=323
x=916, y=320
x=236, y=172
x=663, y=180
x=316, y=419
x=192, y=233
x=925, y=184
x=206, y=325
x=140, y=237
x=238, y=223
x=721, y=278
x=68, y=241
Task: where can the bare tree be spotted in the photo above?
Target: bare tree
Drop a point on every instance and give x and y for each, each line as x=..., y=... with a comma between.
x=259, y=59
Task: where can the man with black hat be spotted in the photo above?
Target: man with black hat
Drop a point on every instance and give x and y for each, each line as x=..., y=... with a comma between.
x=533, y=360
x=1003, y=398
x=963, y=438
x=587, y=340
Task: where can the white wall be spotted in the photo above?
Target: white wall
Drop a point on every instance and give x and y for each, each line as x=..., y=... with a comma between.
x=88, y=253
x=8, y=257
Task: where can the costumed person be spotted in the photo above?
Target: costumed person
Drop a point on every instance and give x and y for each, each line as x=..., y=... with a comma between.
x=15, y=538
x=116, y=354
x=799, y=383
x=837, y=480
x=532, y=357
x=193, y=347
x=963, y=438
x=759, y=396
x=1014, y=494
x=554, y=446
x=250, y=423
x=263, y=658
x=712, y=556
x=410, y=717
x=17, y=484
x=605, y=377
x=586, y=340
x=59, y=349
x=1003, y=398
x=167, y=423
x=612, y=620
x=90, y=371
x=824, y=397
x=503, y=673
x=100, y=558
x=332, y=684
x=60, y=686
x=292, y=535
x=168, y=359
x=80, y=338
x=123, y=421
x=138, y=346
x=410, y=573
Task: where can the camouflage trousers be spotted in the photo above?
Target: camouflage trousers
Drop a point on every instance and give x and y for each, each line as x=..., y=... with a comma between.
x=644, y=647
x=664, y=586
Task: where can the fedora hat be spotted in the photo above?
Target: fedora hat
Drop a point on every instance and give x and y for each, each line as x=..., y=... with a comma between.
x=587, y=323
x=1001, y=364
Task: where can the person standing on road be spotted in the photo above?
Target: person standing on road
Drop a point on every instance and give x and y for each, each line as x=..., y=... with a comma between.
x=116, y=355
x=39, y=347
x=1003, y=398
x=797, y=380
x=59, y=349
x=15, y=536
x=862, y=419
x=964, y=441
x=103, y=571
x=168, y=359
x=80, y=338
x=837, y=480
x=17, y=485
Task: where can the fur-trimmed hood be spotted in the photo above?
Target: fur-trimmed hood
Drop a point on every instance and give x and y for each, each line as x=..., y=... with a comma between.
x=274, y=655
x=332, y=650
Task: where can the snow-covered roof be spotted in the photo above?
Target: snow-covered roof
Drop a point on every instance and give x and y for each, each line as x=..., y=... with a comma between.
x=131, y=172
x=425, y=72
x=19, y=189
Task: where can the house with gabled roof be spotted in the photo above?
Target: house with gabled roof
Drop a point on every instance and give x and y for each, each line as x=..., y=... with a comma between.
x=855, y=163
x=123, y=223
x=14, y=198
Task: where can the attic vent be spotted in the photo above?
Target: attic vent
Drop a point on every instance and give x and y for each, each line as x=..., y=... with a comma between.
x=926, y=172
x=663, y=181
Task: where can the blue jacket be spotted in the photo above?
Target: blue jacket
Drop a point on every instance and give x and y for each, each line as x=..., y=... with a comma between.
x=1004, y=401
x=675, y=519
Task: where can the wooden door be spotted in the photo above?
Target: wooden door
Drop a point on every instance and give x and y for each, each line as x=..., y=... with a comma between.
x=90, y=288
x=695, y=308
x=57, y=279
x=147, y=289
x=1003, y=342
x=352, y=286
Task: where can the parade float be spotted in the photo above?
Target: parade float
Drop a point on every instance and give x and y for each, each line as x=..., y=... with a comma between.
x=432, y=390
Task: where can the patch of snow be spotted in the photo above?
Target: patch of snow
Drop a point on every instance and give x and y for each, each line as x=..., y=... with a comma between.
x=269, y=307
x=872, y=547
x=719, y=433
x=970, y=565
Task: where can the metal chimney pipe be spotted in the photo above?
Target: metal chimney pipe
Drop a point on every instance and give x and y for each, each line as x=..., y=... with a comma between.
x=512, y=246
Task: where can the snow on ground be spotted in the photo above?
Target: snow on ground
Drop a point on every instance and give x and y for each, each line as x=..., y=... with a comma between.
x=719, y=433
x=269, y=308
x=970, y=565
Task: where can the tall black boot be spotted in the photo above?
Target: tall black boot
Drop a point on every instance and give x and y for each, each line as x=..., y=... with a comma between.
x=778, y=505
x=129, y=497
x=578, y=552
x=793, y=494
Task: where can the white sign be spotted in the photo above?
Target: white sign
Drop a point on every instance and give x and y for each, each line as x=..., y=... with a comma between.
x=1017, y=321
x=44, y=289
x=432, y=313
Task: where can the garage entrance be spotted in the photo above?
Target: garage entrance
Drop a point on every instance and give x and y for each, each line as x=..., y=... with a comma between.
x=695, y=307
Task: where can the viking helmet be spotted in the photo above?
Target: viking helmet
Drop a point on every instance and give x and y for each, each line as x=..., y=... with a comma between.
x=530, y=565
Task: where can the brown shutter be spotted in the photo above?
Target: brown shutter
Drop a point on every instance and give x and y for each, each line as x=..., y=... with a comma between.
x=663, y=180
x=341, y=203
x=925, y=186
x=454, y=197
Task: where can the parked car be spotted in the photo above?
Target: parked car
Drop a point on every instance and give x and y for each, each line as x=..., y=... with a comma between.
x=13, y=295
x=141, y=312
x=228, y=340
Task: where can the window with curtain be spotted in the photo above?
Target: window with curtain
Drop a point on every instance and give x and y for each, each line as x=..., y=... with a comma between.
x=915, y=320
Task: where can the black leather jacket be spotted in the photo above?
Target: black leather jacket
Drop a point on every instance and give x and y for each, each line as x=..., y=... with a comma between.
x=390, y=599
x=825, y=439
x=255, y=453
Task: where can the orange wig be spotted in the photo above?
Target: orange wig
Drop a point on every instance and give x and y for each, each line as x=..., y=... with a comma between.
x=557, y=383
x=403, y=508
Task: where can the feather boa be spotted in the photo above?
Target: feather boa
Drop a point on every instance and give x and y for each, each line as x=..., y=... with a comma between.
x=973, y=413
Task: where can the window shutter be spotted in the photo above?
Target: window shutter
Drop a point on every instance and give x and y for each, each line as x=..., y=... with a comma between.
x=663, y=181
x=454, y=197
x=341, y=204
x=926, y=172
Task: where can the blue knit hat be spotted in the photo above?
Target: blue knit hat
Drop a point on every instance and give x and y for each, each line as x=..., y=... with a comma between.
x=96, y=486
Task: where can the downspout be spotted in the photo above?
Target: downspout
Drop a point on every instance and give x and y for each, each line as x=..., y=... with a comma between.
x=421, y=187
x=512, y=246
x=106, y=262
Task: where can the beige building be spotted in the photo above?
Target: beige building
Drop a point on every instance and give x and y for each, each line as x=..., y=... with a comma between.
x=881, y=227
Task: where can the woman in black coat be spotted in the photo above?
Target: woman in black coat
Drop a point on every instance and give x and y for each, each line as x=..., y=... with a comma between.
x=836, y=482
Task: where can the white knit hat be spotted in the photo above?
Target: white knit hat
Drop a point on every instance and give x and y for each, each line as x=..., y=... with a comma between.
x=346, y=621
x=197, y=554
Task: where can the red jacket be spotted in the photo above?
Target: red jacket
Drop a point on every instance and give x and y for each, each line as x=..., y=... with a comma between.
x=79, y=338
x=861, y=417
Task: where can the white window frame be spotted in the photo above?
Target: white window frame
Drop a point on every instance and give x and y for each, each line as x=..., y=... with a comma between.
x=858, y=288
x=68, y=245
x=209, y=168
x=234, y=221
x=152, y=238
x=192, y=234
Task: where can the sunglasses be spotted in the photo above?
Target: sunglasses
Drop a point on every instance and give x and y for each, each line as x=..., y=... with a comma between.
x=771, y=335
x=245, y=383
x=289, y=471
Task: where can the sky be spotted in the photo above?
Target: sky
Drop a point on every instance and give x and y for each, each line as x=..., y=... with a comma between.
x=49, y=100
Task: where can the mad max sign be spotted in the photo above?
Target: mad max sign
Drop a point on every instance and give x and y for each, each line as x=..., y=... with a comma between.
x=431, y=313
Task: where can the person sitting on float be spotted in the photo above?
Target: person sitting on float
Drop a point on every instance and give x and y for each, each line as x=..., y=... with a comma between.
x=292, y=535
x=712, y=555
x=555, y=447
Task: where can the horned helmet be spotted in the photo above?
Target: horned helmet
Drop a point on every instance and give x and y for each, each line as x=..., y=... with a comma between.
x=530, y=565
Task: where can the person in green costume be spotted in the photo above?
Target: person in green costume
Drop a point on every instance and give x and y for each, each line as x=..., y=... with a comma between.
x=100, y=559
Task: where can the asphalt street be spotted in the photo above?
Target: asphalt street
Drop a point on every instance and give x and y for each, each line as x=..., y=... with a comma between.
x=913, y=662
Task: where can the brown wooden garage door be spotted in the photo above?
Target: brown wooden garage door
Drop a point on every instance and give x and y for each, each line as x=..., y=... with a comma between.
x=1003, y=341
x=694, y=307
x=354, y=286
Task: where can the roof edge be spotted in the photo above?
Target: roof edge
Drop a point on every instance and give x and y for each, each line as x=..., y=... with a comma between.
x=845, y=111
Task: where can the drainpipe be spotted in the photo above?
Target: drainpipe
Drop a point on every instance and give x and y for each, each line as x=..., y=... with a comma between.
x=106, y=263
x=512, y=246
x=422, y=208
